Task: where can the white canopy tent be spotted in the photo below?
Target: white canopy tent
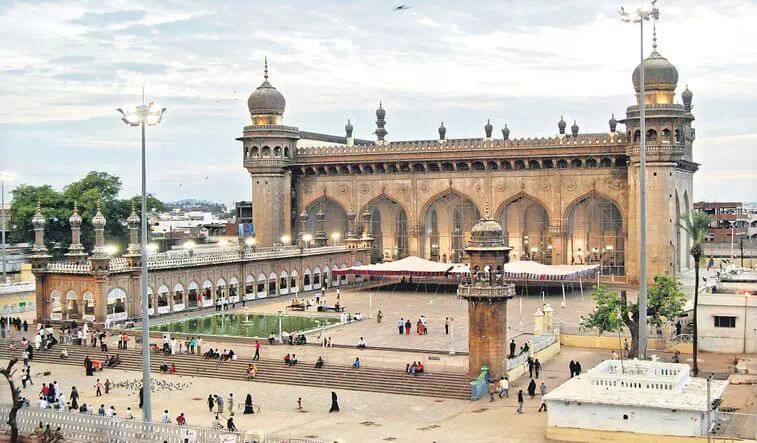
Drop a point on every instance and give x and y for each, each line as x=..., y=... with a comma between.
x=407, y=267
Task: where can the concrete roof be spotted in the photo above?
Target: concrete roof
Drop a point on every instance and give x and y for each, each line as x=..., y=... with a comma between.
x=692, y=398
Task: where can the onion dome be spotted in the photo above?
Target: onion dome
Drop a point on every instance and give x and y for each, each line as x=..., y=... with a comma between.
x=39, y=220
x=98, y=221
x=266, y=100
x=486, y=233
x=613, y=123
x=75, y=219
x=561, y=125
x=442, y=131
x=659, y=73
x=506, y=132
x=380, y=122
x=348, y=129
x=380, y=112
x=488, y=129
x=574, y=129
x=133, y=219
x=686, y=96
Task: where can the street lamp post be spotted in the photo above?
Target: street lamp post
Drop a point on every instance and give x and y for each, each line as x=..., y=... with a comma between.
x=3, y=176
x=142, y=115
x=640, y=15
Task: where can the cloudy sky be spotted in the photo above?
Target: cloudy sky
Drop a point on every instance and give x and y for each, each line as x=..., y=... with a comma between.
x=66, y=65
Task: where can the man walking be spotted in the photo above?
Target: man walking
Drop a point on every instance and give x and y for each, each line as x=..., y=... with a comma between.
x=530, y=362
x=504, y=387
x=257, y=351
x=446, y=325
x=520, y=401
x=537, y=367
x=401, y=325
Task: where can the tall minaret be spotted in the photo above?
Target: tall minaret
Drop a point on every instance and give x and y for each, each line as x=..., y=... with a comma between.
x=76, y=252
x=100, y=259
x=268, y=148
x=133, y=250
x=381, y=131
x=39, y=257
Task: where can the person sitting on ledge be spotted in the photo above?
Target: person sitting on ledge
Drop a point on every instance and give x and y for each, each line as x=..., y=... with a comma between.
x=356, y=363
x=232, y=355
x=361, y=344
x=293, y=360
x=64, y=353
x=419, y=368
x=252, y=371
x=319, y=363
x=271, y=339
x=224, y=355
x=163, y=368
x=172, y=370
x=287, y=359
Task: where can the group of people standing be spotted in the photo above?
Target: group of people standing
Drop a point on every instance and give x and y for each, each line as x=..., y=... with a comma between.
x=421, y=326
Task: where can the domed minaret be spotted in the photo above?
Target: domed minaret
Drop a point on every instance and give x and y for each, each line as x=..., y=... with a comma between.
x=267, y=148
x=76, y=253
x=506, y=133
x=133, y=253
x=100, y=258
x=670, y=169
x=381, y=131
x=39, y=257
x=487, y=295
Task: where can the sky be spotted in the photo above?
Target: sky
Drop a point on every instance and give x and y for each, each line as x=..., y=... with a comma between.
x=66, y=65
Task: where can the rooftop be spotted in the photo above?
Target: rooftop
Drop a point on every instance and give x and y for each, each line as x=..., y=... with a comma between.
x=647, y=384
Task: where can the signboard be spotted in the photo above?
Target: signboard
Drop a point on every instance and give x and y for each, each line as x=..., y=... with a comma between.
x=207, y=303
x=115, y=317
x=249, y=296
x=164, y=309
x=178, y=307
x=88, y=317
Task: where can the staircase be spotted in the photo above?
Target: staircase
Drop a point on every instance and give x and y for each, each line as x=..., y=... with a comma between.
x=388, y=381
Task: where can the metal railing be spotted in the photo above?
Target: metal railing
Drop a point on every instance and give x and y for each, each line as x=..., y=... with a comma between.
x=96, y=428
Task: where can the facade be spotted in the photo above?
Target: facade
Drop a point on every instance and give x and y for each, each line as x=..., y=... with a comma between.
x=102, y=289
x=729, y=220
x=644, y=397
x=569, y=198
x=728, y=322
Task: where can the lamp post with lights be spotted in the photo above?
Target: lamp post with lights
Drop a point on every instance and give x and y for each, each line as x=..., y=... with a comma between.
x=3, y=176
x=639, y=15
x=144, y=115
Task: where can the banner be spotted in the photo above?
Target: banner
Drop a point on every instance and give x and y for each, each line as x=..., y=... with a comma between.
x=245, y=229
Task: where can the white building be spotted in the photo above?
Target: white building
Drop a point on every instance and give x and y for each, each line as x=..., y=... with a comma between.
x=728, y=323
x=645, y=397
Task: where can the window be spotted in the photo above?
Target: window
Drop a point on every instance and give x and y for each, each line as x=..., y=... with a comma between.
x=722, y=321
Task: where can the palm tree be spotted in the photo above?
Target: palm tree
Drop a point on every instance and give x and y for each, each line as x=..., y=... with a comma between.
x=696, y=225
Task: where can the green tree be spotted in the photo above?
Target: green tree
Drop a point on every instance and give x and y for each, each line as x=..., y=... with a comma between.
x=696, y=224
x=57, y=208
x=614, y=311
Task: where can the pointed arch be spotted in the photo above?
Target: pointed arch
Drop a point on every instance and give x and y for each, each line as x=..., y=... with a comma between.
x=525, y=222
x=447, y=219
x=595, y=233
x=388, y=227
x=335, y=216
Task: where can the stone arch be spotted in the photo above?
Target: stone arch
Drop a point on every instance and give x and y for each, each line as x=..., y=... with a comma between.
x=605, y=162
x=325, y=274
x=335, y=216
x=233, y=289
x=88, y=300
x=446, y=220
x=194, y=297
x=389, y=227
x=277, y=152
x=249, y=287
x=207, y=293
x=307, y=280
x=266, y=152
x=595, y=233
x=178, y=297
x=283, y=282
x=651, y=135
x=116, y=304
x=316, y=278
x=261, y=286
x=562, y=164
x=273, y=284
x=163, y=299
x=255, y=152
x=294, y=282
x=71, y=311
x=591, y=162
x=525, y=222
x=286, y=151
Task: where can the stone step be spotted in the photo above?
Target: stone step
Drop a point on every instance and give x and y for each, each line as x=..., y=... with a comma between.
x=381, y=380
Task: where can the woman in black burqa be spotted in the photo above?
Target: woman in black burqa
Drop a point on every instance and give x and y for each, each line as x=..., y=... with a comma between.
x=248, y=409
x=334, y=403
x=141, y=396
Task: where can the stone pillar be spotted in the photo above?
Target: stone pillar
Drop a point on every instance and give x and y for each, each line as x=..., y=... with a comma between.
x=548, y=317
x=487, y=337
x=366, y=221
x=350, y=225
x=133, y=251
x=303, y=225
x=76, y=253
x=538, y=322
